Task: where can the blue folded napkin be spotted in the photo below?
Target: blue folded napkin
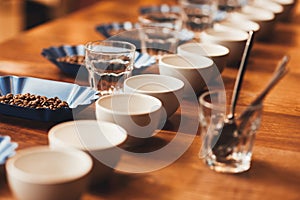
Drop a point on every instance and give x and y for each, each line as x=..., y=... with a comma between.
x=7, y=148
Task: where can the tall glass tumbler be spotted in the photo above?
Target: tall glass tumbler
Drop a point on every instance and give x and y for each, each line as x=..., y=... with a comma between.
x=227, y=149
x=109, y=63
x=198, y=15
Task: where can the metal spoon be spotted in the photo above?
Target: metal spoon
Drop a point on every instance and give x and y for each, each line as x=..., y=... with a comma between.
x=229, y=133
x=280, y=71
x=233, y=137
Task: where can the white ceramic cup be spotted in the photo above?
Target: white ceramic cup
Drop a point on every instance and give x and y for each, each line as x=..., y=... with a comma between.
x=234, y=39
x=139, y=114
x=270, y=5
x=288, y=9
x=218, y=53
x=194, y=71
x=167, y=89
x=265, y=19
x=43, y=173
x=98, y=139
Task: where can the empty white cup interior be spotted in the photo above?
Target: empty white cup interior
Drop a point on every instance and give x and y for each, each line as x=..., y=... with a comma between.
x=129, y=104
x=224, y=34
x=181, y=62
x=256, y=14
x=284, y=2
x=235, y=21
x=88, y=135
x=270, y=5
x=43, y=165
x=154, y=83
x=203, y=49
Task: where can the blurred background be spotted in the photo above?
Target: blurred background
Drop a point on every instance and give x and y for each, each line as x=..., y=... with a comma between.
x=19, y=15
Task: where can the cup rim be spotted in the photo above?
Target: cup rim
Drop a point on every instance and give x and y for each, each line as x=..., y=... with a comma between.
x=184, y=47
x=179, y=83
x=214, y=35
x=285, y=2
x=47, y=179
x=234, y=20
x=156, y=100
x=274, y=6
x=257, y=14
x=131, y=47
x=164, y=64
x=55, y=130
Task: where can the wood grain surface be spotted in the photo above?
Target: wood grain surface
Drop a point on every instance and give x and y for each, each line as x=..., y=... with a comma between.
x=274, y=173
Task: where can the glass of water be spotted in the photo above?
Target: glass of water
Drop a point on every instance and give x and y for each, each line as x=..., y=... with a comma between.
x=158, y=41
x=231, y=5
x=109, y=63
x=170, y=20
x=198, y=15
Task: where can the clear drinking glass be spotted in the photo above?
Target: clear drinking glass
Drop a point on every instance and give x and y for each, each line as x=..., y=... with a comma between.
x=160, y=32
x=109, y=63
x=198, y=15
x=231, y=5
x=158, y=41
x=169, y=19
x=231, y=150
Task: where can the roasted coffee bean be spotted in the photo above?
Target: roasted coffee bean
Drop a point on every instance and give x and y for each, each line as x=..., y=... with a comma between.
x=33, y=101
x=75, y=59
x=9, y=96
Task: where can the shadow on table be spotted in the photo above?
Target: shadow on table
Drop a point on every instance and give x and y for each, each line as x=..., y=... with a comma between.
x=264, y=172
x=119, y=184
x=30, y=124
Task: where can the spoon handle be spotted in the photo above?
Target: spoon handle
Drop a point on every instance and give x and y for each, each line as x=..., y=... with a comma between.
x=280, y=71
x=241, y=72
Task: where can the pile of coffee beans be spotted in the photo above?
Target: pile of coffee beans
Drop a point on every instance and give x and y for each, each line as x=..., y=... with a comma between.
x=33, y=101
x=75, y=59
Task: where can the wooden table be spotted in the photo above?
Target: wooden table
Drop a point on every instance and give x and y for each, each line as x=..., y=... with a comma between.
x=276, y=158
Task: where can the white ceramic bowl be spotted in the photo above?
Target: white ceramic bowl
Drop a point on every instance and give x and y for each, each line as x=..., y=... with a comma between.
x=139, y=114
x=43, y=173
x=265, y=19
x=234, y=39
x=218, y=53
x=97, y=138
x=167, y=89
x=194, y=71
